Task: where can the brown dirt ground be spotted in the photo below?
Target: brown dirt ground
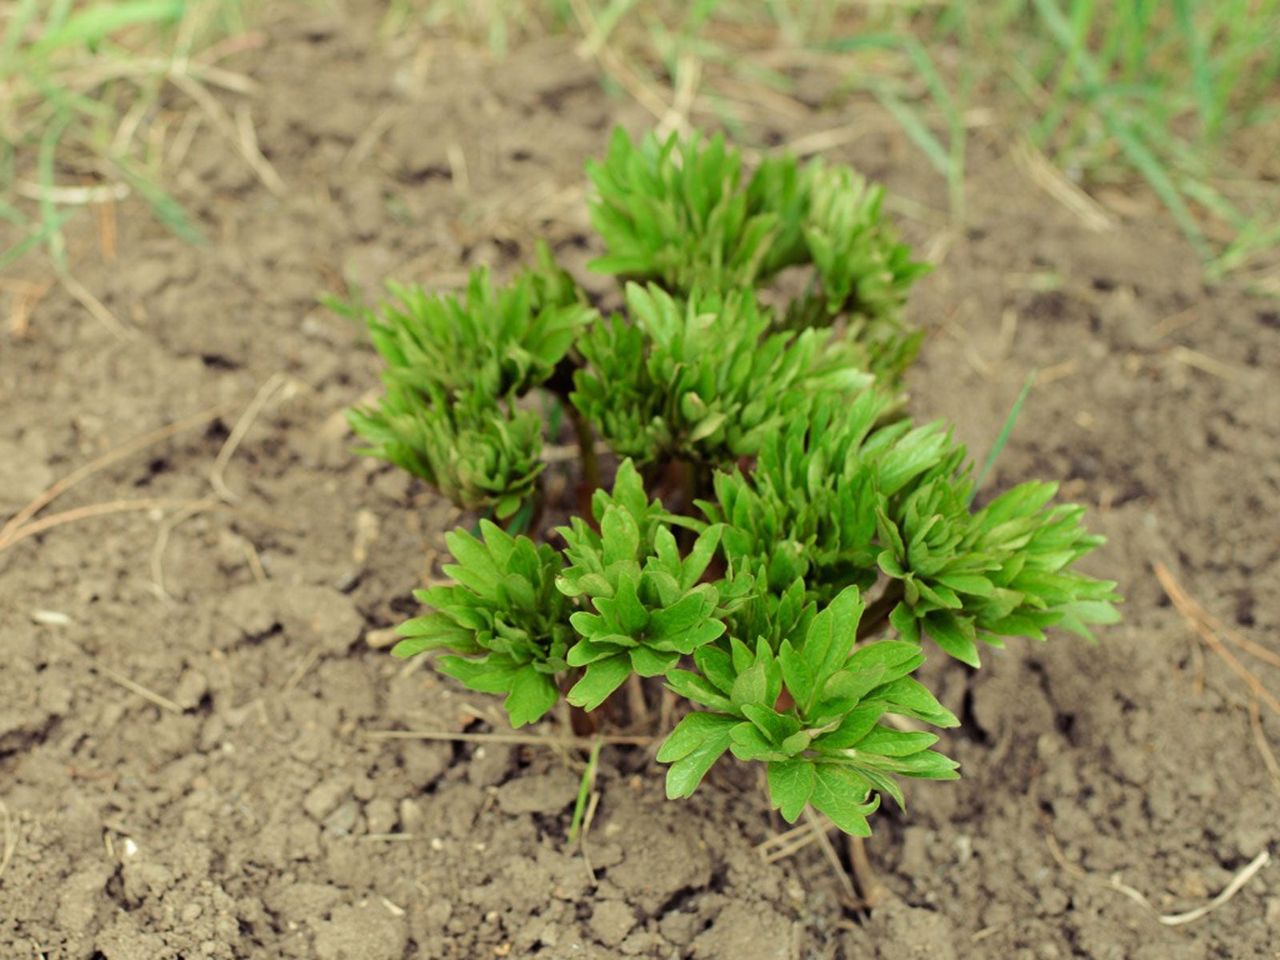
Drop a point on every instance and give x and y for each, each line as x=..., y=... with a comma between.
x=249, y=815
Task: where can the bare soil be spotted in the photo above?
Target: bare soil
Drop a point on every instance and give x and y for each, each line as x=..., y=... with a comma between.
x=187, y=695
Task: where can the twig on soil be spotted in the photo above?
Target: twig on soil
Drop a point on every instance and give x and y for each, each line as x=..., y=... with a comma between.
x=237, y=435
x=299, y=672
x=181, y=143
x=369, y=137
x=526, y=739
x=1049, y=179
x=164, y=703
x=95, y=306
x=459, y=173
x=106, y=216
x=833, y=858
x=1168, y=919
x=784, y=844
x=613, y=64
x=676, y=119
x=1204, y=363
x=10, y=838
x=1060, y=858
x=96, y=510
x=25, y=298
x=162, y=540
x=1177, y=919
x=255, y=562
x=119, y=453
x=247, y=146
x=74, y=196
x=1264, y=748
x=1204, y=624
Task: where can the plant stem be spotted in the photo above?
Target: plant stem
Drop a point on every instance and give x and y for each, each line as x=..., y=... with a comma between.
x=864, y=875
x=586, y=454
x=877, y=615
x=636, y=705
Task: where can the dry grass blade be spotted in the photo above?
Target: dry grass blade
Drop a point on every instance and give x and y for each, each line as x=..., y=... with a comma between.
x=97, y=309
x=1203, y=623
x=792, y=841
x=299, y=672
x=676, y=119
x=1049, y=179
x=10, y=838
x=247, y=146
x=1204, y=363
x=162, y=540
x=1264, y=748
x=615, y=66
x=237, y=435
x=1178, y=919
x=164, y=703
x=95, y=510
x=1167, y=919
x=829, y=851
x=119, y=453
x=520, y=739
x=74, y=196
x=26, y=297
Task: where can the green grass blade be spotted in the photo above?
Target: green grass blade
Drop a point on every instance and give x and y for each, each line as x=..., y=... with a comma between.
x=18, y=23
x=1201, y=71
x=96, y=23
x=1003, y=438
x=47, y=230
x=916, y=129
x=166, y=209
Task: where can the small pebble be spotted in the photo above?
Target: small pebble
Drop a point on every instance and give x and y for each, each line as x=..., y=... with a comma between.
x=51, y=618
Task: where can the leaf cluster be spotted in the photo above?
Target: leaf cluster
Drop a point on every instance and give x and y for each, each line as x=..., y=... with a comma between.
x=456, y=367
x=503, y=620
x=682, y=214
x=704, y=379
x=820, y=492
x=841, y=498
x=811, y=709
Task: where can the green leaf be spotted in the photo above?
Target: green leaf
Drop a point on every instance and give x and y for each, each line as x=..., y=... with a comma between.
x=841, y=794
x=954, y=635
x=791, y=784
x=715, y=665
x=750, y=686
x=748, y=743
x=625, y=606
x=797, y=675
x=698, y=689
x=688, y=612
x=910, y=698
x=621, y=536
x=896, y=743
x=832, y=634
x=652, y=663
x=694, y=745
x=602, y=677
x=532, y=695
x=704, y=549
x=774, y=726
